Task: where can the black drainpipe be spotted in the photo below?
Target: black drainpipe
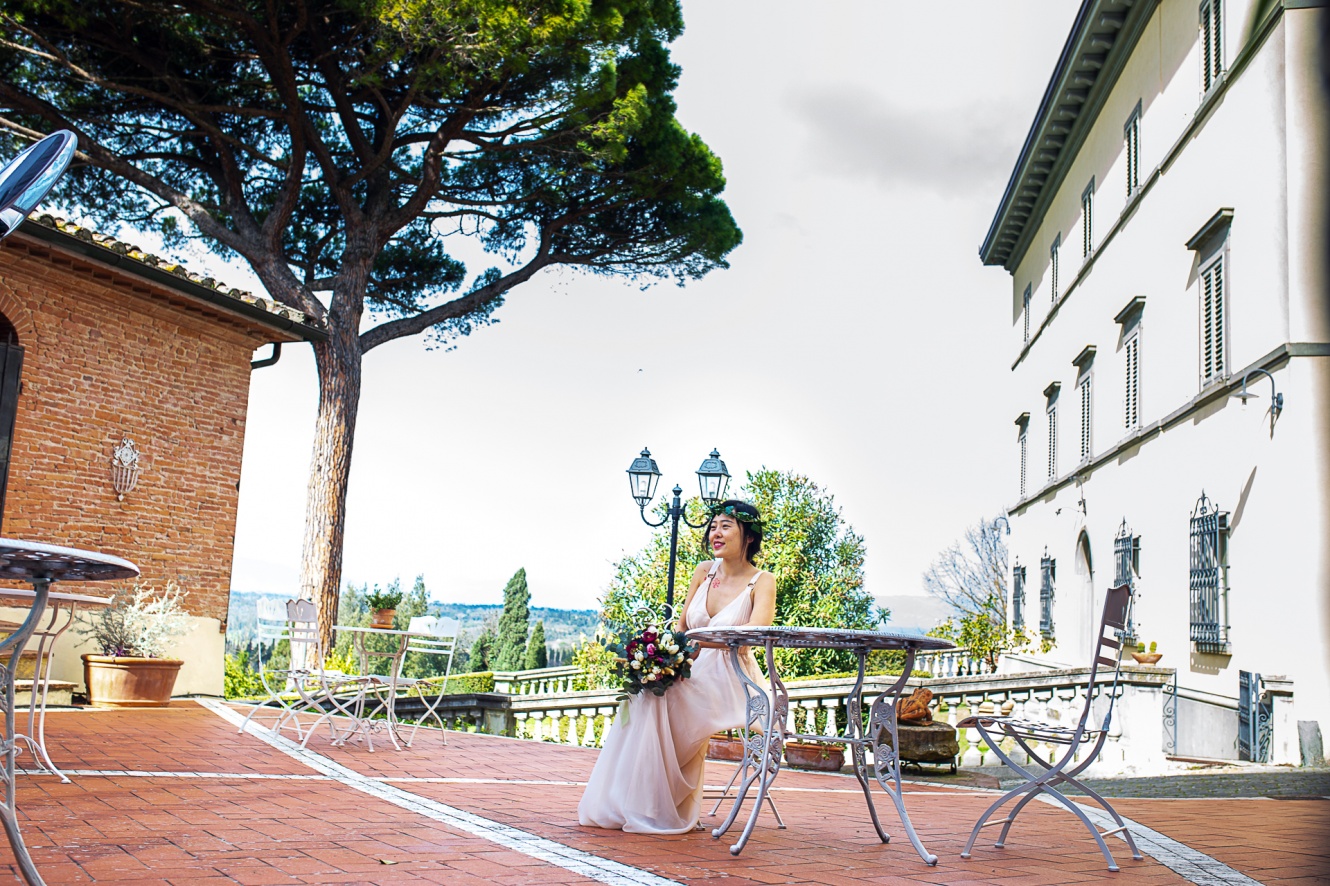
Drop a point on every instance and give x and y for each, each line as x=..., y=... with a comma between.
x=268, y=361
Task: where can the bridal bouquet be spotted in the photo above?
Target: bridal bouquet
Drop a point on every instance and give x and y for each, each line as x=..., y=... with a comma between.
x=655, y=660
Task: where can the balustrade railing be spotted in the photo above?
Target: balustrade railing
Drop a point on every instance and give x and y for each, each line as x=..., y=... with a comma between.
x=542, y=706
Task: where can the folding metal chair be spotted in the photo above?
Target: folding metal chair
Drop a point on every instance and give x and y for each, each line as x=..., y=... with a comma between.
x=320, y=689
x=1083, y=737
x=272, y=628
x=442, y=641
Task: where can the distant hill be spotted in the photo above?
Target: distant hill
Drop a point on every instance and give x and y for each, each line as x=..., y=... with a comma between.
x=918, y=611
x=564, y=628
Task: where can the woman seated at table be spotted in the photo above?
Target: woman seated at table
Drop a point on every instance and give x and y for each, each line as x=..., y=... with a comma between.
x=649, y=777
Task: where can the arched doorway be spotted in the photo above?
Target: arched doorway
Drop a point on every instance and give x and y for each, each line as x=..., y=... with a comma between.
x=11, y=366
x=1085, y=575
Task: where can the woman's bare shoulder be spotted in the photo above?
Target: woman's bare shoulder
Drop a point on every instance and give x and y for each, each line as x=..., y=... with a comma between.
x=702, y=568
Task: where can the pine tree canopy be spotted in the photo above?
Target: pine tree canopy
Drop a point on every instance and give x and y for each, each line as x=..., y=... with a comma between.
x=537, y=656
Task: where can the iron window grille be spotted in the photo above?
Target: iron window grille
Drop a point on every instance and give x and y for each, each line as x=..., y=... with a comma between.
x=1209, y=577
x=1053, y=266
x=1087, y=220
x=1018, y=598
x=1131, y=136
x=1048, y=568
x=1213, y=338
x=1212, y=44
x=1132, y=398
x=1126, y=567
x=1025, y=309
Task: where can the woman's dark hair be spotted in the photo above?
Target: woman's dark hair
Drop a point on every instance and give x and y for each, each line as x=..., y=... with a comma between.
x=747, y=517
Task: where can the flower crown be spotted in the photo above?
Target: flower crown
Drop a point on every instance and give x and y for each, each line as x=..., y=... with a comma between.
x=741, y=516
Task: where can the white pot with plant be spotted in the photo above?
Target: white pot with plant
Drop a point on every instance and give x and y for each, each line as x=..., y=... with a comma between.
x=133, y=632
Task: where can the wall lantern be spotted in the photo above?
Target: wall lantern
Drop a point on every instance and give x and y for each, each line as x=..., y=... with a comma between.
x=124, y=468
x=1276, y=398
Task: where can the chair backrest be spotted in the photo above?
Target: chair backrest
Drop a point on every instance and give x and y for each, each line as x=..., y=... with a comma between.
x=442, y=639
x=1108, y=651
x=303, y=624
x=271, y=625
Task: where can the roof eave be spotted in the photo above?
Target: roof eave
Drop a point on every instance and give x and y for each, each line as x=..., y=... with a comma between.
x=295, y=330
x=1101, y=39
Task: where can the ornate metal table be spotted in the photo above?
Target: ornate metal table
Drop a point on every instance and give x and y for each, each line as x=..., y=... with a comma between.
x=388, y=681
x=39, y=565
x=765, y=731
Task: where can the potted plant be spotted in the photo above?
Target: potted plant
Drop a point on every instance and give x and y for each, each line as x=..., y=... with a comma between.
x=818, y=756
x=382, y=606
x=133, y=632
x=725, y=745
x=1144, y=657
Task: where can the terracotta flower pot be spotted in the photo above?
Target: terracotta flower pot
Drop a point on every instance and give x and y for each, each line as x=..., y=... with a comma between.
x=383, y=618
x=725, y=747
x=127, y=682
x=816, y=756
x=1147, y=658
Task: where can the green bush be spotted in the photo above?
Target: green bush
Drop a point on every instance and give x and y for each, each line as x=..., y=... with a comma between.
x=239, y=679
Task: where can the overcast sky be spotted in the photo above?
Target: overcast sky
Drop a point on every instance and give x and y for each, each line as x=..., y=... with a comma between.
x=856, y=337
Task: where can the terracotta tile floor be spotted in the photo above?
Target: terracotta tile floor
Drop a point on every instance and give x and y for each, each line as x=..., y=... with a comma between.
x=258, y=827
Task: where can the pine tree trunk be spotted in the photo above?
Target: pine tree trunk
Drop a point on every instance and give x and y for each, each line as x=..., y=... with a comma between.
x=338, y=361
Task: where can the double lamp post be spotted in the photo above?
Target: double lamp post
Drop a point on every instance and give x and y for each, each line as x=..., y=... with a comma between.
x=643, y=475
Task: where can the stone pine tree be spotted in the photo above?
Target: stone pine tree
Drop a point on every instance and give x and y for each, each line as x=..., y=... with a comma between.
x=351, y=150
x=514, y=623
x=536, y=654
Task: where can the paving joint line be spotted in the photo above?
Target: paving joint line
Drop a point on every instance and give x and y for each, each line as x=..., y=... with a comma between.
x=593, y=867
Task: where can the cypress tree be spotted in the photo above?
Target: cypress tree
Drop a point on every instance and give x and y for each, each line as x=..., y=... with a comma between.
x=536, y=655
x=482, y=652
x=514, y=623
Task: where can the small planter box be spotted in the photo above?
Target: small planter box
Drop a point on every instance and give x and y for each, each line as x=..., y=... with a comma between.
x=815, y=756
x=725, y=747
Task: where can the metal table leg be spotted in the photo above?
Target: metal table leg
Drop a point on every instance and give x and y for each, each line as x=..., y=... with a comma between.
x=35, y=738
x=13, y=645
x=886, y=760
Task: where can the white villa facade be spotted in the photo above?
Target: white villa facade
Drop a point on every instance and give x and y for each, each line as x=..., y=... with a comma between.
x=1165, y=229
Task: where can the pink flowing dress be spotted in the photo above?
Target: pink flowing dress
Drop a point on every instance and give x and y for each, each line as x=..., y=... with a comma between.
x=648, y=778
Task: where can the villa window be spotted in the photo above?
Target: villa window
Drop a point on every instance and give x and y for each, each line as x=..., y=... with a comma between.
x=1087, y=220
x=1025, y=309
x=1048, y=569
x=1214, y=341
x=1212, y=44
x=1129, y=318
x=1209, y=577
x=1053, y=267
x=1023, y=438
x=1210, y=244
x=1051, y=392
x=1131, y=137
x=1018, y=598
x=1084, y=364
x=1126, y=565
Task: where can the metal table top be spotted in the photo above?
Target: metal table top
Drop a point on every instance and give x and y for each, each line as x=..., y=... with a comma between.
x=30, y=560
x=818, y=638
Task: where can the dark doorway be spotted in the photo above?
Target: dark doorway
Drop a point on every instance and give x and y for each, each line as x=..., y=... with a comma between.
x=11, y=365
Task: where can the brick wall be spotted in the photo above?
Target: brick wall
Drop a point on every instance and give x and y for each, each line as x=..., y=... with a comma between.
x=110, y=355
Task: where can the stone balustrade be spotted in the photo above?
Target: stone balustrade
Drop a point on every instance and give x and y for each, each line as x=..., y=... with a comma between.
x=542, y=707
x=540, y=681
